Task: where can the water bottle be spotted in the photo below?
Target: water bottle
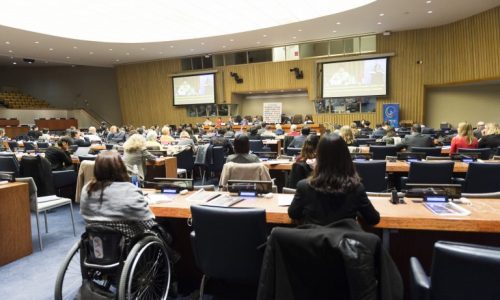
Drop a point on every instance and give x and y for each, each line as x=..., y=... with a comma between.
x=135, y=176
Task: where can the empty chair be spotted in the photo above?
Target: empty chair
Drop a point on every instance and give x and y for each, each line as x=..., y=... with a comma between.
x=484, y=153
x=482, y=178
x=438, y=157
x=364, y=142
x=380, y=152
x=373, y=175
x=9, y=163
x=429, y=151
x=218, y=160
x=459, y=271
x=256, y=145
x=429, y=172
x=226, y=243
x=185, y=162
x=293, y=151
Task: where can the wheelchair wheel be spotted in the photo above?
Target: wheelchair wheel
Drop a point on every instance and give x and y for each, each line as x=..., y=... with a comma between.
x=146, y=272
x=69, y=277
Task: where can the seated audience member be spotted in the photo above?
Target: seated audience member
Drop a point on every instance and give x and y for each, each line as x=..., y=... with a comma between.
x=135, y=154
x=152, y=140
x=390, y=136
x=45, y=137
x=279, y=130
x=346, y=134
x=334, y=190
x=464, y=138
x=34, y=133
x=59, y=157
x=207, y=122
x=491, y=136
x=298, y=141
x=115, y=135
x=3, y=137
x=110, y=197
x=293, y=131
x=379, y=131
x=241, y=151
x=253, y=135
x=366, y=130
x=218, y=122
x=354, y=129
x=78, y=140
x=229, y=132
x=305, y=163
x=308, y=120
x=261, y=128
x=478, y=132
x=415, y=139
x=220, y=140
x=92, y=135
x=268, y=132
x=186, y=140
x=166, y=138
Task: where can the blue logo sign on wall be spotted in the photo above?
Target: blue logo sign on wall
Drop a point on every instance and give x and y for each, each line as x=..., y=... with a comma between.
x=391, y=114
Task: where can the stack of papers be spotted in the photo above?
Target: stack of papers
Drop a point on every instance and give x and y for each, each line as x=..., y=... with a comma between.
x=446, y=209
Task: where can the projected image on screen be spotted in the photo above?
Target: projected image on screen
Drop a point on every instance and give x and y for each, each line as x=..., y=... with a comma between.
x=355, y=78
x=194, y=89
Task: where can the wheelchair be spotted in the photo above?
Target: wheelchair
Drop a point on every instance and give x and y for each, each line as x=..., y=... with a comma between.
x=116, y=260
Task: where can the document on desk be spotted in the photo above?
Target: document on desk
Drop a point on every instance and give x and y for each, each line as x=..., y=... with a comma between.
x=159, y=198
x=446, y=209
x=278, y=161
x=284, y=199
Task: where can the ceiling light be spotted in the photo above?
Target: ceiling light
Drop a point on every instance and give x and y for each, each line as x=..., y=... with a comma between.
x=429, y=12
x=10, y=51
x=51, y=49
x=142, y=49
x=202, y=43
x=191, y=50
x=90, y=53
x=67, y=57
x=117, y=60
x=338, y=23
x=110, y=49
x=379, y=23
x=257, y=42
x=381, y=15
x=111, y=19
x=299, y=30
x=171, y=46
x=14, y=63
x=334, y=31
x=223, y=46
x=160, y=52
x=7, y=42
x=264, y=35
x=75, y=47
x=294, y=37
x=128, y=53
x=37, y=42
x=231, y=40
x=428, y=1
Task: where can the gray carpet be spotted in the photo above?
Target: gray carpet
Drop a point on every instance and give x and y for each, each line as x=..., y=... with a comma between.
x=33, y=277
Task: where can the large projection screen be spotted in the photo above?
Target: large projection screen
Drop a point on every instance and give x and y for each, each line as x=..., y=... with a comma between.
x=355, y=78
x=194, y=89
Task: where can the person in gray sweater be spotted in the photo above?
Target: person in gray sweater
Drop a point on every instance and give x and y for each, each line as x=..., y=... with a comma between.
x=110, y=197
x=135, y=154
x=241, y=149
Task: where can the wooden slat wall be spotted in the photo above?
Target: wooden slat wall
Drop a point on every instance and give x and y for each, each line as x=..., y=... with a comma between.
x=464, y=51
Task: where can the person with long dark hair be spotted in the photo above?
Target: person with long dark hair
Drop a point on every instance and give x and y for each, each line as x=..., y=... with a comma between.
x=110, y=196
x=305, y=163
x=334, y=190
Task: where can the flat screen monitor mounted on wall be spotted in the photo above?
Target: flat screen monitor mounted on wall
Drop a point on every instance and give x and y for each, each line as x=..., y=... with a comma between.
x=194, y=89
x=366, y=77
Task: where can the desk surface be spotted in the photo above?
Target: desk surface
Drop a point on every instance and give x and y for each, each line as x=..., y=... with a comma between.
x=484, y=217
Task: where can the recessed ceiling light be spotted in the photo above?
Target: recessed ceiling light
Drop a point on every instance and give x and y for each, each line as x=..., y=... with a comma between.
x=14, y=63
x=171, y=46
x=257, y=42
x=429, y=12
x=379, y=23
x=231, y=40
x=334, y=31
x=128, y=53
x=202, y=43
x=7, y=42
x=428, y=1
x=37, y=42
x=299, y=30
x=51, y=49
x=117, y=60
x=160, y=52
x=223, y=46
x=75, y=47
x=294, y=37
x=191, y=50
x=90, y=53
x=10, y=51
x=338, y=23
x=264, y=35
x=381, y=15
x=67, y=57
x=110, y=49
x=142, y=49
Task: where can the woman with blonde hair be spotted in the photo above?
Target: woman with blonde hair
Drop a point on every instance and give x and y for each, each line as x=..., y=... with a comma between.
x=165, y=137
x=464, y=138
x=347, y=134
x=354, y=129
x=135, y=154
x=152, y=141
x=491, y=136
x=186, y=140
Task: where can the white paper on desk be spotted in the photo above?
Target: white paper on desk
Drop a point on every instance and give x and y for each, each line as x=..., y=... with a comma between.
x=159, y=198
x=278, y=161
x=47, y=198
x=284, y=199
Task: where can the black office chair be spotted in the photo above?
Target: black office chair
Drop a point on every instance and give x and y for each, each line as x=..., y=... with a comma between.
x=429, y=172
x=256, y=145
x=291, y=151
x=86, y=157
x=13, y=145
x=484, y=153
x=364, y=142
x=373, y=175
x=185, y=162
x=29, y=146
x=380, y=152
x=226, y=243
x=9, y=163
x=218, y=160
x=286, y=141
x=429, y=151
x=459, y=271
x=481, y=178
x=43, y=145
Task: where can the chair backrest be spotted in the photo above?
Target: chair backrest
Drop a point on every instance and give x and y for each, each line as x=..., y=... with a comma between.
x=429, y=151
x=464, y=271
x=13, y=145
x=9, y=163
x=185, y=159
x=293, y=151
x=252, y=171
x=372, y=175
x=42, y=145
x=208, y=187
x=484, y=153
x=226, y=242
x=102, y=245
x=380, y=152
x=482, y=178
x=218, y=159
x=28, y=146
x=286, y=141
x=40, y=169
x=364, y=141
x=86, y=157
x=498, y=151
x=288, y=190
x=430, y=172
x=430, y=157
x=256, y=145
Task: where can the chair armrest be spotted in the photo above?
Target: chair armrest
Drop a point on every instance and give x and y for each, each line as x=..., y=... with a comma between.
x=419, y=281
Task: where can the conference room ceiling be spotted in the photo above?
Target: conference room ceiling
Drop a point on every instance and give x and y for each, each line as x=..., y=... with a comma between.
x=100, y=41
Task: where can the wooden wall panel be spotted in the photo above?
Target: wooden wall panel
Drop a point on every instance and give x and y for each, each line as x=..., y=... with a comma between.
x=464, y=51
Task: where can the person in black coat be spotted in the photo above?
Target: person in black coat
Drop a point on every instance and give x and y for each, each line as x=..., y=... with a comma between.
x=416, y=139
x=59, y=156
x=334, y=191
x=298, y=141
x=305, y=163
x=491, y=137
